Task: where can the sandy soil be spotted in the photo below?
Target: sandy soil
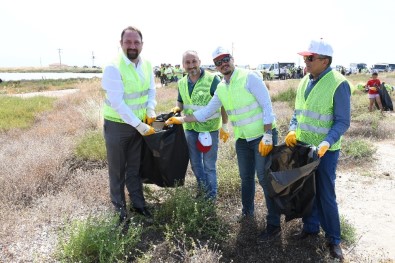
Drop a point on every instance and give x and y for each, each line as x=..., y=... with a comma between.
x=366, y=198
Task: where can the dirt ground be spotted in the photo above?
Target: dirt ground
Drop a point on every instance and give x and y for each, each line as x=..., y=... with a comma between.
x=366, y=197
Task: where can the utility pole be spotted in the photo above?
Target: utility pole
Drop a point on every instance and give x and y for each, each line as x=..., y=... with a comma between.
x=232, y=49
x=93, y=60
x=60, y=57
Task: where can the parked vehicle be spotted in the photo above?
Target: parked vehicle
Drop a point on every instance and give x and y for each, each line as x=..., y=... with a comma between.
x=279, y=70
x=380, y=67
x=391, y=67
x=358, y=68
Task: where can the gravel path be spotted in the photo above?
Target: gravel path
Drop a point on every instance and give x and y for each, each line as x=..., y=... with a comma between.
x=367, y=201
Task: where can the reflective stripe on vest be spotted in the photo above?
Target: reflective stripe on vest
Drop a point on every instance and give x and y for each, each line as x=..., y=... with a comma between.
x=135, y=92
x=315, y=114
x=199, y=98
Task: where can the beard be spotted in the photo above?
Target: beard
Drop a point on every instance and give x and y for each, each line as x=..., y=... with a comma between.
x=193, y=71
x=132, y=53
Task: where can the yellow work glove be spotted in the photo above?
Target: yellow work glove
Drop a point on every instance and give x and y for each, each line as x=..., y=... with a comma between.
x=266, y=144
x=224, y=132
x=150, y=117
x=290, y=139
x=373, y=88
x=322, y=148
x=175, y=120
x=145, y=129
x=176, y=109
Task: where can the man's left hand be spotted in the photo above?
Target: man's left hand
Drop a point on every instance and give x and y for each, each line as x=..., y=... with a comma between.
x=266, y=144
x=322, y=148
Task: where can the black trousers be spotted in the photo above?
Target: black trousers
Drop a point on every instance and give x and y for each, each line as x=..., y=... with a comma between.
x=123, y=144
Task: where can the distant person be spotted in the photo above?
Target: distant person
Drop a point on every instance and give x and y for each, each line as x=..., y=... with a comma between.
x=246, y=100
x=195, y=90
x=343, y=71
x=128, y=112
x=178, y=73
x=322, y=115
x=373, y=86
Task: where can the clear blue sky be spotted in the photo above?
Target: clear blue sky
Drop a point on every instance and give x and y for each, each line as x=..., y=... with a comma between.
x=260, y=31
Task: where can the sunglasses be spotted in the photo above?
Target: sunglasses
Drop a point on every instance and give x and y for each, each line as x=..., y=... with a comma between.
x=310, y=58
x=223, y=60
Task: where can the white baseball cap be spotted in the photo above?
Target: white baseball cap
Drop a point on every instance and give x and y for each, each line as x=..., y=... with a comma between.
x=204, y=142
x=220, y=51
x=318, y=47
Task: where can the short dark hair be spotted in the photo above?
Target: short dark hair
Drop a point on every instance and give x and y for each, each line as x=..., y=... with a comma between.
x=132, y=28
x=375, y=74
x=328, y=57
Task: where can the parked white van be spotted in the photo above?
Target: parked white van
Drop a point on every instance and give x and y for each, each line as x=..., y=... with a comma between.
x=380, y=67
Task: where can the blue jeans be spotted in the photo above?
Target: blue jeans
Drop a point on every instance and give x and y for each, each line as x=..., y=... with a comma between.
x=251, y=161
x=325, y=210
x=204, y=164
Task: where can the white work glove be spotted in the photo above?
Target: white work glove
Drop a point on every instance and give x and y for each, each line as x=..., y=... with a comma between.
x=145, y=129
x=175, y=120
x=224, y=132
x=266, y=144
x=322, y=148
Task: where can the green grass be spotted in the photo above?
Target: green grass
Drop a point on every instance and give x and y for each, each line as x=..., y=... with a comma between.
x=97, y=240
x=91, y=147
x=358, y=149
x=184, y=218
x=288, y=95
x=21, y=113
x=348, y=231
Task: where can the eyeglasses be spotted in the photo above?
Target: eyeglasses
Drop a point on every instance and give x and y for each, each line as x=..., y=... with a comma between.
x=223, y=60
x=311, y=58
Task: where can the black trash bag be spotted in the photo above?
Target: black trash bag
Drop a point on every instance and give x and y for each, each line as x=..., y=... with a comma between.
x=165, y=155
x=385, y=98
x=291, y=179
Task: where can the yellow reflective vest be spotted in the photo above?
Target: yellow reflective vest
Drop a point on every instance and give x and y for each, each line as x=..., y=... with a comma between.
x=135, y=92
x=315, y=114
x=199, y=98
x=241, y=106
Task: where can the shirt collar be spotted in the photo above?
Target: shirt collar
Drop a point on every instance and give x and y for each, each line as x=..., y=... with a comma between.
x=323, y=73
x=128, y=62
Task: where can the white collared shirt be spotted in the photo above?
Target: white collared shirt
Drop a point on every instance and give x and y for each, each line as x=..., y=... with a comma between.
x=113, y=85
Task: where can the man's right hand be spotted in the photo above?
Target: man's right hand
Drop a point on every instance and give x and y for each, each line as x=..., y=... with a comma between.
x=290, y=139
x=175, y=120
x=145, y=129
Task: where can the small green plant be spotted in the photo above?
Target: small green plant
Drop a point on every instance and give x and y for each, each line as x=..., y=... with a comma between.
x=358, y=149
x=97, y=240
x=91, y=147
x=348, y=232
x=185, y=217
x=21, y=113
x=288, y=95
